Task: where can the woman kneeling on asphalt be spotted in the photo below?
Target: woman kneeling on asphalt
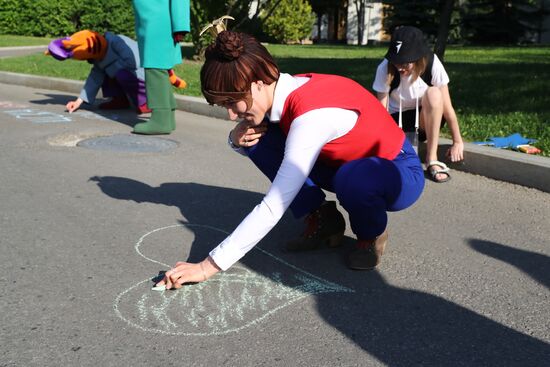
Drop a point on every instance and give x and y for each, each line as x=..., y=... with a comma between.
x=307, y=133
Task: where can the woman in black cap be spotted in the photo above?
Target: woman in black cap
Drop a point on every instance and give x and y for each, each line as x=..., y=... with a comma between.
x=412, y=83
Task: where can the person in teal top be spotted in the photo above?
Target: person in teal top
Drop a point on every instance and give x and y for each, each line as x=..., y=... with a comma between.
x=160, y=26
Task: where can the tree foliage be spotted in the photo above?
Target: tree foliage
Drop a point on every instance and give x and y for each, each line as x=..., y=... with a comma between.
x=267, y=20
x=472, y=21
x=246, y=14
x=46, y=18
x=501, y=21
x=423, y=14
x=290, y=22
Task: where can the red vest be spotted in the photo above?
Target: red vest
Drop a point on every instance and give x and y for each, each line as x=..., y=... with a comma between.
x=374, y=135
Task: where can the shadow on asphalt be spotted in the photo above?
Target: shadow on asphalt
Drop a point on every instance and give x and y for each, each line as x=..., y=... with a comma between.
x=533, y=264
x=124, y=116
x=397, y=326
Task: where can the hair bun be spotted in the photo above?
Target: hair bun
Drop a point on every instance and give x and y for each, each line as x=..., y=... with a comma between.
x=229, y=45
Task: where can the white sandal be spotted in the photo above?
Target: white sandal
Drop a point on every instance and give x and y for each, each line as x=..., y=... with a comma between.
x=434, y=172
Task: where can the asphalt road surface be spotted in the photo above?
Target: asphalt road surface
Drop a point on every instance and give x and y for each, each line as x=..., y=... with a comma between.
x=83, y=230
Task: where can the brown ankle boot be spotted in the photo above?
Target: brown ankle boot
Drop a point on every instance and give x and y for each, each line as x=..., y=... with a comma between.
x=324, y=226
x=367, y=253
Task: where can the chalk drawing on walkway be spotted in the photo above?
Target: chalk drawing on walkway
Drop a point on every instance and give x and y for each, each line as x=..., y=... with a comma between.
x=22, y=111
x=44, y=117
x=228, y=302
x=37, y=116
x=10, y=104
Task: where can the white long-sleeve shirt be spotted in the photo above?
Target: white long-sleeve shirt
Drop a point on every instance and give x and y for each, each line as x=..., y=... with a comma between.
x=307, y=135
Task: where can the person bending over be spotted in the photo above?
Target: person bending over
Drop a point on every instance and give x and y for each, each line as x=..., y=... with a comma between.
x=115, y=69
x=307, y=133
x=412, y=84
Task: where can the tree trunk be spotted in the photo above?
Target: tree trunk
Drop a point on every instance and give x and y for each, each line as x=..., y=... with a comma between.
x=443, y=29
x=360, y=8
x=319, y=26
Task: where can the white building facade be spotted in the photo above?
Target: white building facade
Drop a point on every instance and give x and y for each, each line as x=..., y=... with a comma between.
x=372, y=27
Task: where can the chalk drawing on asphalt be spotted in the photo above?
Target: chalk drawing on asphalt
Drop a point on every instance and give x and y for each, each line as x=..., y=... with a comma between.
x=10, y=104
x=228, y=302
x=37, y=116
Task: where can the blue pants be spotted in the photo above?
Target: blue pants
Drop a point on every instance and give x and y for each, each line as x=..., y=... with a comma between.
x=367, y=188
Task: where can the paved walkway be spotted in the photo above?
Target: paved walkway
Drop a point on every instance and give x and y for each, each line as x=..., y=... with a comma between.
x=21, y=51
x=464, y=281
x=504, y=165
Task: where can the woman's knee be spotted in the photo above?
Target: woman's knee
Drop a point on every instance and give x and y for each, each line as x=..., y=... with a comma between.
x=432, y=98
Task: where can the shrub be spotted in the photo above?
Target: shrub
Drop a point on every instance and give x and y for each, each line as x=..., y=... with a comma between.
x=290, y=22
x=46, y=18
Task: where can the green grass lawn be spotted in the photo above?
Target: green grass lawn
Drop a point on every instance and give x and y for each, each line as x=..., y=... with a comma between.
x=495, y=91
x=13, y=41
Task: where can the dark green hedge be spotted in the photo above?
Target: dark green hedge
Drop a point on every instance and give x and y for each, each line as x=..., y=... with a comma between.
x=52, y=18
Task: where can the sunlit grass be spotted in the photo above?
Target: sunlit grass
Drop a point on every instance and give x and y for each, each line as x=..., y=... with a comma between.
x=14, y=41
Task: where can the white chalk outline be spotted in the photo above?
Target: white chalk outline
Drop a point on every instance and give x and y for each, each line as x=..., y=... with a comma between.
x=10, y=104
x=37, y=116
x=300, y=293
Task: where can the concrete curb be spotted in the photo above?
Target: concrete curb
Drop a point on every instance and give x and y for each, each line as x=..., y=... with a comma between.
x=59, y=84
x=185, y=103
x=6, y=52
x=499, y=164
x=17, y=48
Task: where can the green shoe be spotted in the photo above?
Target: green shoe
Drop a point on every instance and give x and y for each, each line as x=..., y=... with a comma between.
x=159, y=123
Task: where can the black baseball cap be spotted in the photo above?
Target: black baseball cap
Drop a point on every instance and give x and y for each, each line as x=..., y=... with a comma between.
x=407, y=45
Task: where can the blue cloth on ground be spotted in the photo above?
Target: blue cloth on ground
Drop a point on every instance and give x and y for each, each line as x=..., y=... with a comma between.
x=511, y=141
